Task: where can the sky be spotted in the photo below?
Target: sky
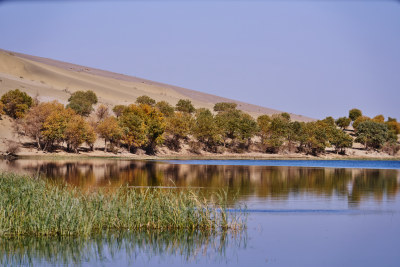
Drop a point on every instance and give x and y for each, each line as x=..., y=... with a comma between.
x=314, y=58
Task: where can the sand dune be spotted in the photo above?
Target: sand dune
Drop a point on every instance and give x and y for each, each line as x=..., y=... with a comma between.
x=51, y=79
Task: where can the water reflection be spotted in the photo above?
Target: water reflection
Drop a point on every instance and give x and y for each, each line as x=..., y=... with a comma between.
x=355, y=185
x=134, y=247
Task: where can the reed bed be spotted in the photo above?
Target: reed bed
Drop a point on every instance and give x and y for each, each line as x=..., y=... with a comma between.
x=30, y=207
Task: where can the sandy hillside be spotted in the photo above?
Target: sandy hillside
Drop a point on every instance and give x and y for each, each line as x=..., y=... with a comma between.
x=51, y=79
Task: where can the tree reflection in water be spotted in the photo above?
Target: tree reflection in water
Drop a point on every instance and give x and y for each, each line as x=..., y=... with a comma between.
x=264, y=182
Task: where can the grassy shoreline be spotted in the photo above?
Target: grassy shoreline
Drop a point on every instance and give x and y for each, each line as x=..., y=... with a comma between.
x=30, y=207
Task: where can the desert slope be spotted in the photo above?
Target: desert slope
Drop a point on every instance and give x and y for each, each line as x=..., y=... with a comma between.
x=52, y=79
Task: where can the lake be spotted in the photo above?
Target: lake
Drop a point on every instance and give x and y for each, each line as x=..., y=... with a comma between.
x=299, y=213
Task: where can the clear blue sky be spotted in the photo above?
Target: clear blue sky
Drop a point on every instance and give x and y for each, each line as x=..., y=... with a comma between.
x=315, y=58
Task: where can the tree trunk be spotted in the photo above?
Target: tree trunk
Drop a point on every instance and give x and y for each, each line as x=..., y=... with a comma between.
x=38, y=142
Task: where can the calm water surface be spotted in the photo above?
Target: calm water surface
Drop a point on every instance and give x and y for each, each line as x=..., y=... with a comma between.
x=300, y=213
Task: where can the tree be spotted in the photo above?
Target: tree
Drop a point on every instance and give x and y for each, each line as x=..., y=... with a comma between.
x=144, y=99
x=224, y=106
x=263, y=123
x=55, y=125
x=372, y=134
x=76, y=132
x=16, y=103
x=165, y=108
x=118, y=110
x=354, y=114
x=133, y=128
x=82, y=102
x=314, y=137
x=143, y=126
x=247, y=129
x=228, y=122
x=329, y=120
x=343, y=122
x=32, y=124
x=206, y=130
x=393, y=125
x=234, y=124
x=274, y=131
x=285, y=115
x=360, y=120
x=110, y=131
x=102, y=112
x=185, y=105
x=379, y=118
x=179, y=127
x=155, y=127
x=340, y=140
x=293, y=134
x=91, y=136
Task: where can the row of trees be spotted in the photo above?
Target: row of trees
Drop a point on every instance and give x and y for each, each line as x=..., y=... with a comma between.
x=148, y=124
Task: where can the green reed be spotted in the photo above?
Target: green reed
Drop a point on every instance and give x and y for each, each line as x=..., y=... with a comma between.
x=39, y=208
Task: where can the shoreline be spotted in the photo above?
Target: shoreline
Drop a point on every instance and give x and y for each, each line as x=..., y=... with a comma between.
x=230, y=156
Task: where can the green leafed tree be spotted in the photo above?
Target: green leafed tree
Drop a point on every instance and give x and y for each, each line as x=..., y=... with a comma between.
x=185, y=105
x=144, y=99
x=224, y=106
x=118, y=110
x=329, y=120
x=343, y=122
x=206, y=130
x=354, y=114
x=360, y=120
x=16, y=103
x=274, y=131
x=340, y=140
x=165, y=108
x=372, y=134
x=236, y=125
x=178, y=127
x=82, y=102
x=314, y=137
x=247, y=129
